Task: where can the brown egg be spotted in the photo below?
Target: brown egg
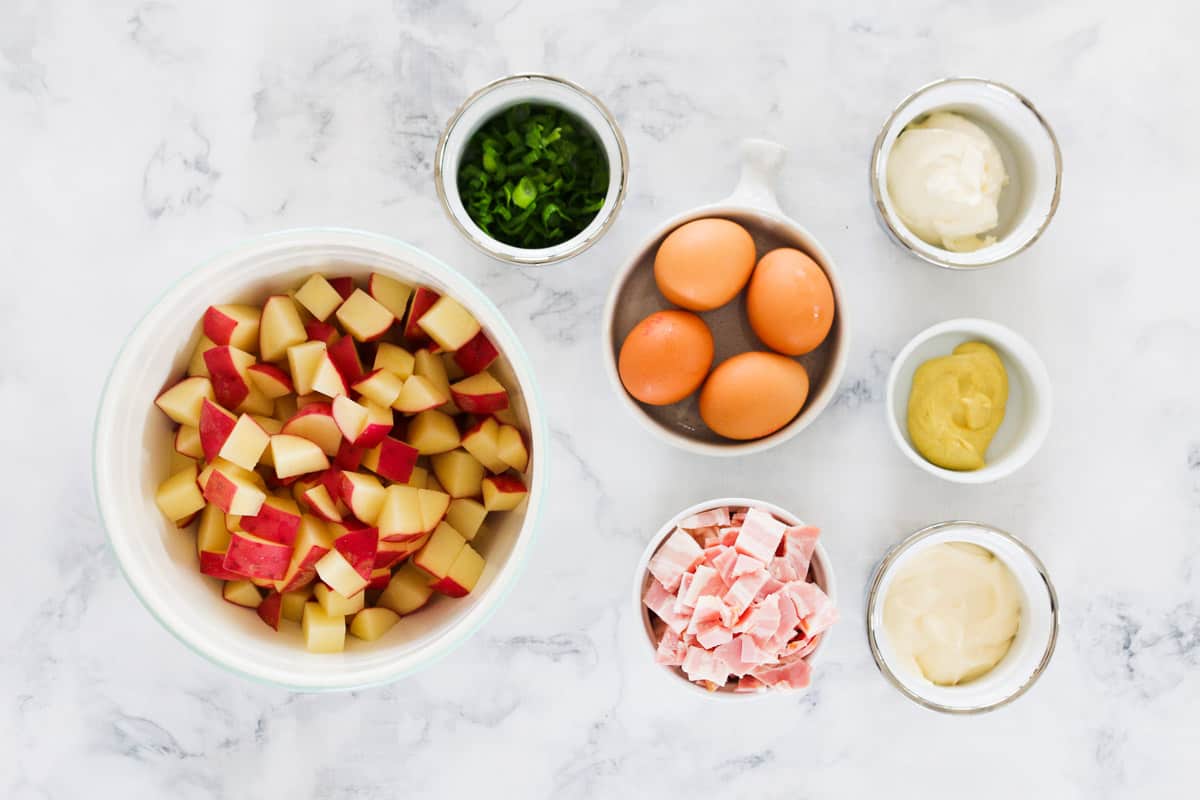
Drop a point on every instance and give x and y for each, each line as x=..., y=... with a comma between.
x=790, y=302
x=703, y=264
x=665, y=357
x=753, y=394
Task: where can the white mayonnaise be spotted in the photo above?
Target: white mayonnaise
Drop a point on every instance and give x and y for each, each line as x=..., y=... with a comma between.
x=951, y=612
x=944, y=176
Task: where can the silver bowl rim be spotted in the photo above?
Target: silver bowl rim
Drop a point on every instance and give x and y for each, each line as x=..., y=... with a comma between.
x=545, y=255
x=873, y=597
x=877, y=192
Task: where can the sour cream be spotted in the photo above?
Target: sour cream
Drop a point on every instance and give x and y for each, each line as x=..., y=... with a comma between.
x=944, y=176
x=952, y=612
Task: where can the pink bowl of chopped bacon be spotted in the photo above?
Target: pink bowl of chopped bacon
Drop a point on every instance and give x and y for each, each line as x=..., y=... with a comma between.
x=736, y=597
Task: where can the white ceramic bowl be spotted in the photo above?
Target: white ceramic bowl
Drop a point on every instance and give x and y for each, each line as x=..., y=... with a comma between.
x=1030, y=403
x=495, y=98
x=634, y=296
x=820, y=569
x=1030, y=652
x=133, y=443
x=1031, y=157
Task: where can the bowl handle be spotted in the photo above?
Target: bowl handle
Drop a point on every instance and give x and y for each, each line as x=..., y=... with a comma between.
x=761, y=160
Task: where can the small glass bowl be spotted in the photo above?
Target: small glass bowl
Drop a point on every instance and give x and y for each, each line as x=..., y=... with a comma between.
x=494, y=98
x=1025, y=660
x=1031, y=156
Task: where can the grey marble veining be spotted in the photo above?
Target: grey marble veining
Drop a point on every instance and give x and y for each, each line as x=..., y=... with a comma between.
x=137, y=138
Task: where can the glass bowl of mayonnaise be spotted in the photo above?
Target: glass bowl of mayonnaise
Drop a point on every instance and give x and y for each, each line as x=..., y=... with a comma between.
x=962, y=617
x=966, y=173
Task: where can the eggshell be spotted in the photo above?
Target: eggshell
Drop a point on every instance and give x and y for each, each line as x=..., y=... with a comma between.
x=665, y=357
x=703, y=264
x=790, y=302
x=753, y=394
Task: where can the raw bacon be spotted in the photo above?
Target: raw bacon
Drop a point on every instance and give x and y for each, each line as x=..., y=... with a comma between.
x=742, y=604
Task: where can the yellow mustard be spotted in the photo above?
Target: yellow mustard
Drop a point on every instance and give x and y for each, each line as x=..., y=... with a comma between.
x=956, y=406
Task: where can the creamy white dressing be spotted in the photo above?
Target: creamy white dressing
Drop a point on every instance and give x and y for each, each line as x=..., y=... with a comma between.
x=951, y=612
x=944, y=177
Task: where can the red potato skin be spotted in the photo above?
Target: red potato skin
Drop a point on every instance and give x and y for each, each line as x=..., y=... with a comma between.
x=318, y=331
x=229, y=386
x=480, y=403
x=219, y=327
x=349, y=456
x=389, y=558
x=270, y=610
x=396, y=460
x=476, y=355
x=449, y=587
x=508, y=483
x=220, y=491
x=307, y=570
x=379, y=582
x=213, y=565
x=343, y=285
x=284, y=380
x=215, y=426
x=274, y=524
x=344, y=356
x=422, y=300
x=251, y=559
x=359, y=547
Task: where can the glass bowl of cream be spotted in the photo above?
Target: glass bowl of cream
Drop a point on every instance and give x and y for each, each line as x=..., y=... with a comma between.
x=962, y=617
x=966, y=173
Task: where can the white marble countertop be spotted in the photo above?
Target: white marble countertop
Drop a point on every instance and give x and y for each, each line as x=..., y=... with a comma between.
x=136, y=139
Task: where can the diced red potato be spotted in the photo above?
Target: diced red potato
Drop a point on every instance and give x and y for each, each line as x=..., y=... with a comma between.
x=344, y=355
x=394, y=359
x=725, y=612
x=196, y=366
x=315, y=422
x=480, y=394
x=423, y=299
x=317, y=331
x=318, y=296
x=280, y=329
x=235, y=325
x=448, y=323
x=271, y=380
x=363, y=317
x=389, y=293
x=476, y=355
x=182, y=401
x=308, y=400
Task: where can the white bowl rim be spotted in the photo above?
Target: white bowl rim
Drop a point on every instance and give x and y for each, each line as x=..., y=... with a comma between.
x=513, y=568
x=1021, y=351
x=930, y=253
x=640, y=611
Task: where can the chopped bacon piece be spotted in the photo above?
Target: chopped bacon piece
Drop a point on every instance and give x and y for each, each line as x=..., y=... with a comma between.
x=770, y=587
x=709, y=609
x=729, y=536
x=713, y=634
x=713, y=518
x=701, y=665
x=761, y=621
x=760, y=535
x=724, y=563
x=816, y=611
x=793, y=675
x=748, y=684
x=745, y=565
x=741, y=594
x=671, y=649
x=684, y=605
x=798, y=546
x=662, y=603
x=677, y=555
x=788, y=620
